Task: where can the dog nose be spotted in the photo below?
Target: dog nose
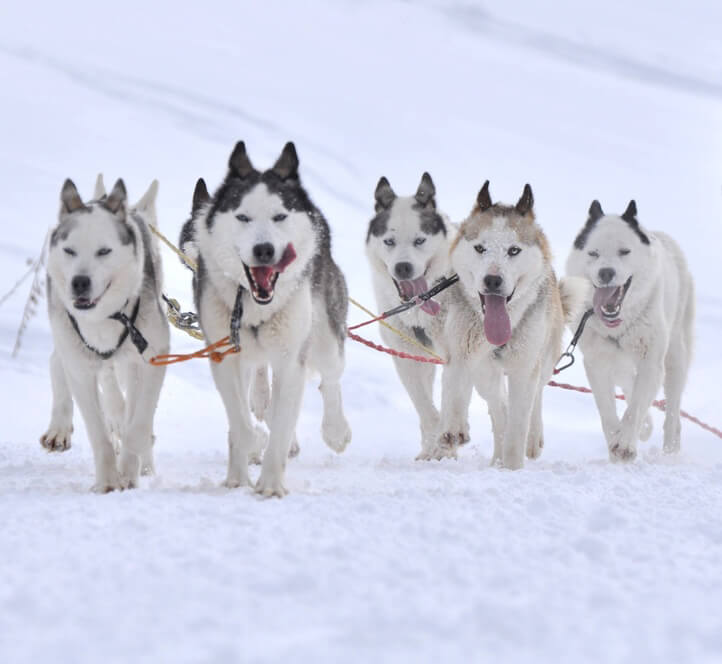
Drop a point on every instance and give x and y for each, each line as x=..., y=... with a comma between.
x=404, y=270
x=80, y=285
x=263, y=252
x=606, y=274
x=492, y=282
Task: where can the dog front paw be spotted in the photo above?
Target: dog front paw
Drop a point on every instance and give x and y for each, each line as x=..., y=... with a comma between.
x=622, y=446
x=270, y=485
x=336, y=433
x=57, y=438
x=108, y=483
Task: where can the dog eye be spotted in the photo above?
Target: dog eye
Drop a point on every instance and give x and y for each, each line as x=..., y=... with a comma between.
x=69, y=251
x=594, y=254
x=279, y=217
x=419, y=241
x=243, y=218
x=624, y=252
x=513, y=251
x=480, y=248
x=390, y=242
x=104, y=251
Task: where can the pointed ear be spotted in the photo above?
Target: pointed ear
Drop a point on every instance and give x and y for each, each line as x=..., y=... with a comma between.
x=426, y=191
x=483, y=198
x=200, y=196
x=384, y=195
x=239, y=163
x=595, y=210
x=526, y=202
x=99, y=187
x=117, y=198
x=148, y=199
x=630, y=214
x=287, y=164
x=70, y=198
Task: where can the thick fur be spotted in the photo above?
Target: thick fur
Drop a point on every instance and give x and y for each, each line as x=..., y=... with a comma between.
x=110, y=244
x=251, y=223
x=647, y=343
x=409, y=235
x=504, y=246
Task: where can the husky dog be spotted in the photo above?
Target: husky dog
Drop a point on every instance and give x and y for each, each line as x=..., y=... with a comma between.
x=507, y=320
x=266, y=275
x=105, y=314
x=641, y=333
x=407, y=245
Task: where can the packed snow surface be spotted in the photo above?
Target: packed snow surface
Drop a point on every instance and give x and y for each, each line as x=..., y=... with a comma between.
x=373, y=556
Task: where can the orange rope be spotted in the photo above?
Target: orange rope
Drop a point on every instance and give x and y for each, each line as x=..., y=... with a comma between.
x=211, y=352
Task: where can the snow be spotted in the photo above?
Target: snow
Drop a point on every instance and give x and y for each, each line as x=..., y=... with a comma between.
x=372, y=555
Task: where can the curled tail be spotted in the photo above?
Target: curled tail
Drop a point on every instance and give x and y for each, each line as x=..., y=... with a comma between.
x=573, y=292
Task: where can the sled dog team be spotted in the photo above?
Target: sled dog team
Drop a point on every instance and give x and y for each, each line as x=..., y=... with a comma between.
x=266, y=277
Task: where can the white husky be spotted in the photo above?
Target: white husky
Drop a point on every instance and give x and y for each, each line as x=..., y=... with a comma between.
x=266, y=276
x=641, y=332
x=507, y=320
x=407, y=245
x=106, y=317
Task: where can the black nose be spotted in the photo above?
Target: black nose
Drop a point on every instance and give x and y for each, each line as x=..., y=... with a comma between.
x=263, y=252
x=492, y=282
x=404, y=270
x=606, y=274
x=80, y=285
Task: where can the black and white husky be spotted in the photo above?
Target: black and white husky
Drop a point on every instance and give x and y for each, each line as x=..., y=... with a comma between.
x=641, y=333
x=104, y=283
x=266, y=278
x=407, y=244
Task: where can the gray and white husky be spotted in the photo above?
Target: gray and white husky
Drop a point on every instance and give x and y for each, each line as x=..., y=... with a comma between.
x=506, y=321
x=641, y=333
x=104, y=284
x=267, y=278
x=407, y=244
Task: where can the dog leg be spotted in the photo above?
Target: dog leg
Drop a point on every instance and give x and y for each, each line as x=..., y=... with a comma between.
x=492, y=388
x=57, y=437
x=676, y=365
x=113, y=404
x=286, y=395
x=456, y=389
x=602, y=385
x=335, y=429
x=522, y=395
x=260, y=393
x=535, y=439
x=85, y=390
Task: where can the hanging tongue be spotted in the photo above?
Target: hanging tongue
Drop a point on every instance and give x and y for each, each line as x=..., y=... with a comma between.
x=497, y=326
x=262, y=275
x=412, y=288
x=605, y=297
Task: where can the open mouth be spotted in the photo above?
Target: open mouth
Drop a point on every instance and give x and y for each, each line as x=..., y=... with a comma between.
x=263, y=278
x=410, y=289
x=607, y=302
x=497, y=324
x=85, y=303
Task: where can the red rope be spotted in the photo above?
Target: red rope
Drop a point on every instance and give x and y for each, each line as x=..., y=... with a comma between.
x=367, y=322
x=391, y=351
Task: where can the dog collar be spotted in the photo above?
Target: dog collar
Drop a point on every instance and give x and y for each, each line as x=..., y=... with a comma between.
x=129, y=330
x=236, y=315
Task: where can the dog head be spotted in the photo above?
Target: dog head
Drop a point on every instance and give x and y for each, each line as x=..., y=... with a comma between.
x=611, y=251
x=94, y=262
x=407, y=237
x=261, y=226
x=498, y=252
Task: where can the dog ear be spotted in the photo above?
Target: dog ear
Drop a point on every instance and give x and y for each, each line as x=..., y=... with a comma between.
x=200, y=196
x=117, y=198
x=99, y=188
x=526, y=203
x=595, y=210
x=239, y=163
x=148, y=199
x=384, y=195
x=426, y=192
x=483, y=198
x=630, y=214
x=287, y=164
x=70, y=198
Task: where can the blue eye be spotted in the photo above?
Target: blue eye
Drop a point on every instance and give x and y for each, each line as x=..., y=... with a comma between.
x=419, y=241
x=243, y=218
x=514, y=251
x=390, y=242
x=279, y=217
x=104, y=251
x=69, y=251
x=480, y=248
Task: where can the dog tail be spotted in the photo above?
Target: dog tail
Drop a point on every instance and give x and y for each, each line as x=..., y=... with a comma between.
x=574, y=292
x=99, y=188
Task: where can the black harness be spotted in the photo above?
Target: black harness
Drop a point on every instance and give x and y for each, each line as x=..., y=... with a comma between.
x=129, y=330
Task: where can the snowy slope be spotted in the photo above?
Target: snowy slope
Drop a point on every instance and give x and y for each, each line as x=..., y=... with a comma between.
x=372, y=556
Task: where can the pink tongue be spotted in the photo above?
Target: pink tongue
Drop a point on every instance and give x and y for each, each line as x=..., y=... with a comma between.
x=262, y=276
x=497, y=326
x=602, y=296
x=411, y=288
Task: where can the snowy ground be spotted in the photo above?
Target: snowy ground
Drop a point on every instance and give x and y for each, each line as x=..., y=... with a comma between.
x=372, y=556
